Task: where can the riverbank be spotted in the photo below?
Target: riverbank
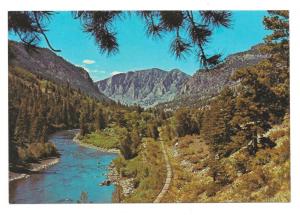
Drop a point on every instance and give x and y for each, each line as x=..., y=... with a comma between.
x=79, y=142
x=34, y=168
x=126, y=184
x=113, y=177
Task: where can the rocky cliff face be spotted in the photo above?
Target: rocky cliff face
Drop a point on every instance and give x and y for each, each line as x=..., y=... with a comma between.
x=203, y=85
x=47, y=64
x=174, y=88
x=145, y=87
x=208, y=83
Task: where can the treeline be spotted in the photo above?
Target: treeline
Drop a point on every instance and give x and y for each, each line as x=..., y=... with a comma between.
x=38, y=107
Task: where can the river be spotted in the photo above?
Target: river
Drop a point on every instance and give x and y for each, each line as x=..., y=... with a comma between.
x=80, y=169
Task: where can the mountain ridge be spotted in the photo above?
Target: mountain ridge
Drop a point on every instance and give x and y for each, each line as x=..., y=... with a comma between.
x=146, y=87
x=49, y=65
x=137, y=87
x=204, y=85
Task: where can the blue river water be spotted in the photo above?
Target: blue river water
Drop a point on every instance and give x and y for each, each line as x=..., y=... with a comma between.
x=80, y=169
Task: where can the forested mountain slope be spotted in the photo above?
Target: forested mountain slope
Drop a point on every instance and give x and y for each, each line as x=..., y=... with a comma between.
x=48, y=65
x=37, y=108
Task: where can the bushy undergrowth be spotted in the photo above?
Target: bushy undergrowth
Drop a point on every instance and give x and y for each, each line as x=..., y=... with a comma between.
x=147, y=170
x=37, y=151
x=240, y=177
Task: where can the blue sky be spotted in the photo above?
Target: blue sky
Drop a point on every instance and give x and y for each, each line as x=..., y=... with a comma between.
x=137, y=51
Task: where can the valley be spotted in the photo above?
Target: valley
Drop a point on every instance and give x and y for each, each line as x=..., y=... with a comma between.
x=152, y=136
x=156, y=87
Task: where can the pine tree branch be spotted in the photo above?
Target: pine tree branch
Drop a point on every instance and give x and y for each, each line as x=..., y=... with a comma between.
x=43, y=33
x=203, y=55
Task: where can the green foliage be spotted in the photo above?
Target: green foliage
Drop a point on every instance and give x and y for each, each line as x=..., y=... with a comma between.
x=264, y=93
x=36, y=151
x=168, y=131
x=38, y=107
x=152, y=130
x=237, y=119
x=217, y=128
x=83, y=123
x=100, y=121
x=30, y=26
x=185, y=123
x=136, y=140
x=120, y=119
x=129, y=142
x=106, y=139
x=245, y=148
x=278, y=41
x=246, y=129
x=145, y=170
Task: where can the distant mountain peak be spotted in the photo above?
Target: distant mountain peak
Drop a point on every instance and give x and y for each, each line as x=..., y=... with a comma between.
x=146, y=87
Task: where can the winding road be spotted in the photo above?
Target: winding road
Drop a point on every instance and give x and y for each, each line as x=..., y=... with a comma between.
x=169, y=174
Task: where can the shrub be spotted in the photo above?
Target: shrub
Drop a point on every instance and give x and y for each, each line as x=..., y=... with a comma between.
x=199, y=166
x=22, y=154
x=194, y=159
x=222, y=174
x=276, y=134
x=211, y=189
x=37, y=151
x=152, y=130
x=119, y=163
x=242, y=163
x=263, y=157
x=255, y=180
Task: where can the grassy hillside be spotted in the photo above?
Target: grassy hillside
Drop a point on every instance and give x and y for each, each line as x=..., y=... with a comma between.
x=264, y=177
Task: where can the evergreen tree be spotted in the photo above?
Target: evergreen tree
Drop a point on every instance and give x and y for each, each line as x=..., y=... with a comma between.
x=22, y=125
x=136, y=141
x=264, y=91
x=38, y=124
x=125, y=145
x=44, y=134
x=120, y=119
x=152, y=130
x=217, y=128
x=13, y=150
x=184, y=122
x=83, y=123
x=100, y=122
x=198, y=119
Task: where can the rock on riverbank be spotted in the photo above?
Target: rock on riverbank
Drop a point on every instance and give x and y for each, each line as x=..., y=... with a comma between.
x=34, y=168
x=126, y=184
